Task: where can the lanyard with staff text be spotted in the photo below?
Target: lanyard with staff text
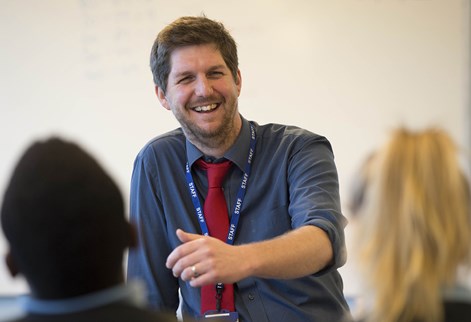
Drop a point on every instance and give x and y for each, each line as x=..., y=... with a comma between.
x=240, y=194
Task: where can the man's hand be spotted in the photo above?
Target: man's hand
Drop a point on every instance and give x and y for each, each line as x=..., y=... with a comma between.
x=204, y=260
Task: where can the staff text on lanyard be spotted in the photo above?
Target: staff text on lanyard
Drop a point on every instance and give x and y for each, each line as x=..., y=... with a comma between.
x=240, y=194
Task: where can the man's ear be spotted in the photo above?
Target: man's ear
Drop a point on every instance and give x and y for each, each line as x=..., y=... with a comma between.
x=11, y=265
x=162, y=98
x=239, y=81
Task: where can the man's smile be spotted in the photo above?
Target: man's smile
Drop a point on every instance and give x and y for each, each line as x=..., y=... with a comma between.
x=205, y=108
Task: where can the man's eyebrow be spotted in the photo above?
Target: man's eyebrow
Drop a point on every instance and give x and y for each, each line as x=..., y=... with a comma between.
x=182, y=74
x=218, y=67
x=188, y=73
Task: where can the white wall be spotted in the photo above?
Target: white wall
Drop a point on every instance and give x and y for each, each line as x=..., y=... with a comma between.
x=347, y=69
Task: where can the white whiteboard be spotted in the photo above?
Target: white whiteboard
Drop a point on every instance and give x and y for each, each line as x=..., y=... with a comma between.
x=348, y=69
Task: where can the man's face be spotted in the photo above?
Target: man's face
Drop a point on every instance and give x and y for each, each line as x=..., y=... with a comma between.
x=202, y=94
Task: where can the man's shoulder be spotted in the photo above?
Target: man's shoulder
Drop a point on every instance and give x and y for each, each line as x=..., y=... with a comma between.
x=172, y=140
x=284, y=130
x=289, y=134
x=167, y=138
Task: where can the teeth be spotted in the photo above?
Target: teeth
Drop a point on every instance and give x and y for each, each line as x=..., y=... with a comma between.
x=205, y=108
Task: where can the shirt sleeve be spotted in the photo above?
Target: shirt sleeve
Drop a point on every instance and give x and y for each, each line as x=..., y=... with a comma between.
x=314, y=193
x=147, y=261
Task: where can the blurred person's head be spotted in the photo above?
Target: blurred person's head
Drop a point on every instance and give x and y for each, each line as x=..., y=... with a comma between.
x=63, y=217
x=412, y=207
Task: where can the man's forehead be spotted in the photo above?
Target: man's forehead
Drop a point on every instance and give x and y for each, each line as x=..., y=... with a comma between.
x=186, y=58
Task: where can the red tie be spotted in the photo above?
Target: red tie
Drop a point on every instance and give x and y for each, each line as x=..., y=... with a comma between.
x=217, y=220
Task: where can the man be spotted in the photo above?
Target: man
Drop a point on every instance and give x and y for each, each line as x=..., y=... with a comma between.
x=280, y=260
x=64, y=221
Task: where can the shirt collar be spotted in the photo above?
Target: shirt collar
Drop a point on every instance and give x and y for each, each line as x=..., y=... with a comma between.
x=237, y=153
x=132, y=293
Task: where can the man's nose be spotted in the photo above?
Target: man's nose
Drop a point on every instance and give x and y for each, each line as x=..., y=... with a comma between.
x=203, y=87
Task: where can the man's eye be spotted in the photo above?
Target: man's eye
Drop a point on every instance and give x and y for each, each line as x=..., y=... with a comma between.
x=216, y=74
x=185, y=79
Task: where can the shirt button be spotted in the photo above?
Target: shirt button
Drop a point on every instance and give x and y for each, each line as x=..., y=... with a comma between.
x=251, y=297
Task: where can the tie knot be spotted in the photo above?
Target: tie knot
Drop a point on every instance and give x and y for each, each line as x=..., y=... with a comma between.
x=215, y=171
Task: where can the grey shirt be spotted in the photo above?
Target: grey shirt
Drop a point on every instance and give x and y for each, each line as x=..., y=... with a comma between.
x=293, y=183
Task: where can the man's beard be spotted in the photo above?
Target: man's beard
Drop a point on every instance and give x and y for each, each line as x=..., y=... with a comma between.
x=209, y=138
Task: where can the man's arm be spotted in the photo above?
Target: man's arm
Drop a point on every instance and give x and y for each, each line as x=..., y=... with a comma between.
x=303, y=251
x=147, y=261
x=314, y=244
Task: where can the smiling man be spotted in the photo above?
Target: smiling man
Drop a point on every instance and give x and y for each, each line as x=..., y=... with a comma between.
x=202, y=94
x=244, y=219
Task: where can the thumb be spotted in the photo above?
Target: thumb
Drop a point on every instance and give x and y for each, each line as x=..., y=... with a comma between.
x=186, y=237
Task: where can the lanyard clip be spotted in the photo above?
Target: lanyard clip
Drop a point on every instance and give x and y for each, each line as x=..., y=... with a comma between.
x=219, y=290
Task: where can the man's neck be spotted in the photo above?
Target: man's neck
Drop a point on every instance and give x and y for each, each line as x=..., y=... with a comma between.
x=216, y=153
x=218, y=149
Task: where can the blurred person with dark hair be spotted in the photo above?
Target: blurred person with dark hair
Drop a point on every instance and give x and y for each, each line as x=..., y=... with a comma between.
x=63, y=217
x=411, y=207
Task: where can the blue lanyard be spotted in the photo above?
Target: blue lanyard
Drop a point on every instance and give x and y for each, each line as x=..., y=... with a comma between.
x=240, y=194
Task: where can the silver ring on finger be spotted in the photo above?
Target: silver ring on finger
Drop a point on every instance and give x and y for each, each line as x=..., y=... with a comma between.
x=195, y=272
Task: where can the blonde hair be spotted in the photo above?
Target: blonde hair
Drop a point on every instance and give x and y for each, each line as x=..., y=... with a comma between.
x=414, y=214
